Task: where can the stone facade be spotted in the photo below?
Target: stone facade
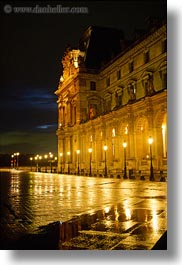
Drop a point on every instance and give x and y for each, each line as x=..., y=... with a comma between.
x=124, y=100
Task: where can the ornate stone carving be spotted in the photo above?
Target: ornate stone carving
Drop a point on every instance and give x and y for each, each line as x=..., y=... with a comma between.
x=71, y=61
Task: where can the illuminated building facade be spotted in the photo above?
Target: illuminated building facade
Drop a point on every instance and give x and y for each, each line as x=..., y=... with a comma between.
x=113, y=91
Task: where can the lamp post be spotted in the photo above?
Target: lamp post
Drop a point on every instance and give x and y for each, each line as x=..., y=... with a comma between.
x=150, y=141
x=90, y=152
x=40, y=158
x=68, y=154
x=78, y=161
x=105, y=168
x=61, y=157
x=125, y=171
x=51, y=156
x=55, y=160
x=31, y=158
x=17, y=163
x=45, y=156
x=16, y=160
x=12, y=161
x=37, y=165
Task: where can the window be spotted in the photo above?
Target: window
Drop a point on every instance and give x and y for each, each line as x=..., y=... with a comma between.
x=146, y=57
x=126, y=129
x=164, y=140
x=108, y=81
x=131, y=67
x=164, y=46
x=118, y=74
x=113, y=132
x=92, y=85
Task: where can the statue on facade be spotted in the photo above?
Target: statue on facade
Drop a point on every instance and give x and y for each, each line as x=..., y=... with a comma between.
x=150, y=86
x=131, y=92
x=92, y=111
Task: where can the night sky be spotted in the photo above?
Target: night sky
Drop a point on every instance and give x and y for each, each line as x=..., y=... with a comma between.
x=32, y=46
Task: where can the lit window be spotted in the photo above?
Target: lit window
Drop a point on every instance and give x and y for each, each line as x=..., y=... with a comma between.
x=126, y=129
x=164, y=140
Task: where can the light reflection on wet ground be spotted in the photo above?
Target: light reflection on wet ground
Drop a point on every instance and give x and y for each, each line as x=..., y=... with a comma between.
x=95, y=213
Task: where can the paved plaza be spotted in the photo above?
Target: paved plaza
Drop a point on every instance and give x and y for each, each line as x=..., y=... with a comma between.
x=91, y=213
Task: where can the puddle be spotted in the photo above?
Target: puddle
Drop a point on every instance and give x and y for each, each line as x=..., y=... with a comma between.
x=107, y=228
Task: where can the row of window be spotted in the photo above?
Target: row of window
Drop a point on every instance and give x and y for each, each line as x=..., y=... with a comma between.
x=93, y=83
x=130, y=66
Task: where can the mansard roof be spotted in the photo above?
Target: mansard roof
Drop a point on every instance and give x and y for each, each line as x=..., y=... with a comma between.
x=100, y=45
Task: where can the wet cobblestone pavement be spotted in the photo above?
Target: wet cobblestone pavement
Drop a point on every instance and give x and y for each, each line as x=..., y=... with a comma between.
x=76, y=212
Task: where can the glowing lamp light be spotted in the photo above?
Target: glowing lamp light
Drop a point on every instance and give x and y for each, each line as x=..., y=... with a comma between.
x=90, y=150
x=124, y=144
x=150, y=140
x=105, y=147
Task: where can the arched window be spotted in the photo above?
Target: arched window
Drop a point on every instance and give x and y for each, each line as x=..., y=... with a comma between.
x=113, y=142
x=164, y=138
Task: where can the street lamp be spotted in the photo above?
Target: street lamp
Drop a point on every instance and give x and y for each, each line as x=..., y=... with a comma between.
x=78, y=152
x=68, y=154
x=17, y=159
x=125, y=171
x=90, y=152
x=37, y=165
x=105, y=169
x=31, y=158
x=55, y=159
x=46, y=156
x=150, y=141
x=51, y=156
x=61, y=156
x=12, y=161
x=40, y=158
